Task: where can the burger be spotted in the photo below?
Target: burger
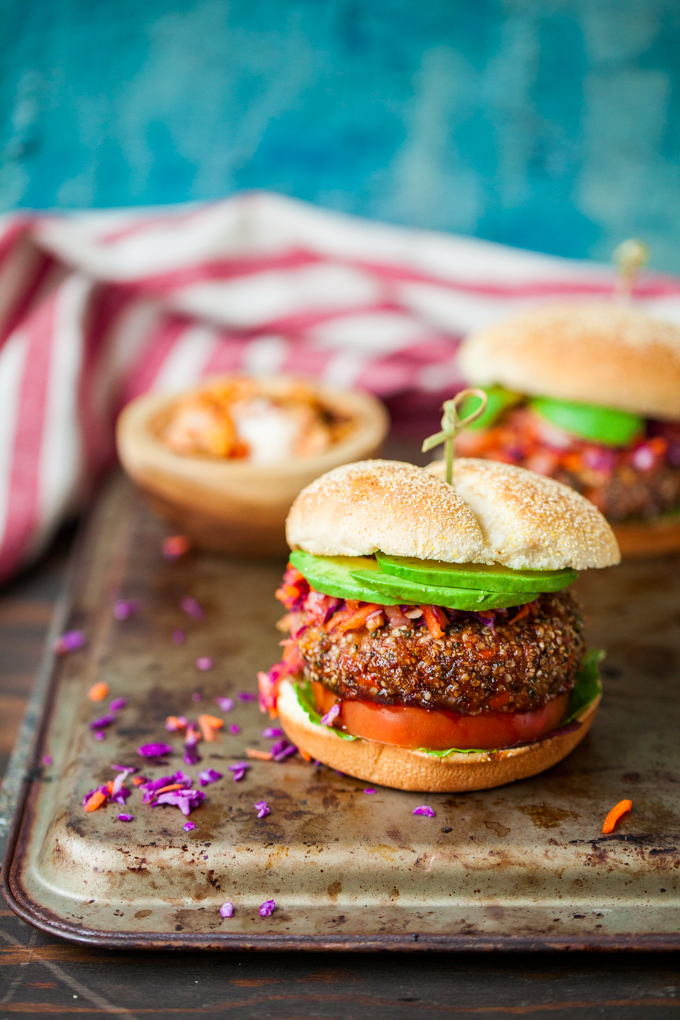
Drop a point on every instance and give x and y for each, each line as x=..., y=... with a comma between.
x=431, y=639
x=588, y=394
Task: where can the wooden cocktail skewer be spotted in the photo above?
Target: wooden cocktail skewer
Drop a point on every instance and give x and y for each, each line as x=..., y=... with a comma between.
x=629, y=258
x=452, y=425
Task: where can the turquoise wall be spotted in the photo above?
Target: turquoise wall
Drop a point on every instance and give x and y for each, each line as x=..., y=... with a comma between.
x=551, y=124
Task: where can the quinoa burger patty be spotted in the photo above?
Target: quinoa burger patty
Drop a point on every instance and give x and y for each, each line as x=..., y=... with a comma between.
x=515, y=666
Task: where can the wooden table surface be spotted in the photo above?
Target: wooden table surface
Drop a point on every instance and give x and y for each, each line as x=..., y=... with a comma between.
x=42, y=976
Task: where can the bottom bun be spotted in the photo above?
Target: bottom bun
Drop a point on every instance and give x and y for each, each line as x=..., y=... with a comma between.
x=649, y=538
x=404, y=769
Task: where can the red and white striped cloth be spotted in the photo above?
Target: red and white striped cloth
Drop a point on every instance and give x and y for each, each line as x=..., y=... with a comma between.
x=97, y=307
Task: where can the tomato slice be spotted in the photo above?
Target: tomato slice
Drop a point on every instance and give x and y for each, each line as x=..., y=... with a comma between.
x=411, y=726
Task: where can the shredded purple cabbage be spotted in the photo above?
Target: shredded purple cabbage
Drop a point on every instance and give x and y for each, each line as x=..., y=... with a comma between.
x=192, y=608
x=154, y=750
x=267, y=908
x=188, y=826
x=102, y=722
x=123, y=609
x=331, y=715
x=234, y=728
x=271, y=732
x=263, y=808
x=204, y=662
x=124, y=817
x=185, y=800
x=227, y=910
x=424, y=809
x=209, y=776
x=117, y=704
x=69, y=642
x=247, y=696
x=369, y=790
x=226, y=704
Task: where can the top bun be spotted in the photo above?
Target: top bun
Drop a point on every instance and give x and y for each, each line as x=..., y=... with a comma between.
x=598, y=353
x=494, y=513
x=359, y=508
x=531, y=522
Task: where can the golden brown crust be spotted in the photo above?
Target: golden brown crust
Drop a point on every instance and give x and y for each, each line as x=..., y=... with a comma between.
x=595, y=352
x=403, y=769
x=389, y=505
x=530, y=521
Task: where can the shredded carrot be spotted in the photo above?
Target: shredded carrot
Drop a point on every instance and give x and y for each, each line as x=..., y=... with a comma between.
x=95, y=800
x=166, y=789
x=304, y=754
x=615, y=814
x=172, y=723
x=138, y=780
x=432, y=621
x=208, y=724
x=260, y=755
x=357, y=618
x=524, y=611
x=98, y=691
x=176, y=546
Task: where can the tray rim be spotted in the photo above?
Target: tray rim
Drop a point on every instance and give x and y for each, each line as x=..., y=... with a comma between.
x=25, y=758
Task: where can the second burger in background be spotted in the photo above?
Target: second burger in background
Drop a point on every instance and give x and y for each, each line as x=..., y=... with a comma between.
x=589, y=394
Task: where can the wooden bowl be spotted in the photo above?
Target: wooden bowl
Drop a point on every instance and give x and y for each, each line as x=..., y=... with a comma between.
x=231, y=505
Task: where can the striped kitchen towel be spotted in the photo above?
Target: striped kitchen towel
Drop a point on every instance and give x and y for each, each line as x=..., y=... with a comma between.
x=97, y=307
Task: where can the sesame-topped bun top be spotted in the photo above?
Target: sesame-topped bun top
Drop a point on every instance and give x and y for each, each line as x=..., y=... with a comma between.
x=399, y=508
x=529, y=521
x=593, y=352
x=494, y=513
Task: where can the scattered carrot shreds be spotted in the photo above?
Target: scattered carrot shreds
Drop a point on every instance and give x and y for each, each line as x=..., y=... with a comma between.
x=305, y=755
x=166, y=789
x=251, y=752
x=175, y=723
x=432, y=621
x=616, y=813
x=138, y=780
x=357, y=618
x=524, y=611
x=95, y=800
x=208, y=725
x=98, y=691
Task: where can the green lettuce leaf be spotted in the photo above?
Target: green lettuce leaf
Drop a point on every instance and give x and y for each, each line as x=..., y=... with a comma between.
x=585, y=691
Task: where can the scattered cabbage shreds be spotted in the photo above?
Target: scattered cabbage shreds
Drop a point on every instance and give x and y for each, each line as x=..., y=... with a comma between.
x=267, y=908
x=209, y=776
x=425, y=810
x=369, y=790
x=238, y=770
x=124, y=768
x=271, y=732
x=225, y=704
x=125, y=817
x=227, y=910
x=123, y=609
x=191, y=755
x=263, y=808
x=185, y=800
x=151, y=788
x=102, y=722
x=98, y=691
x=157, y=750
x=95, y=798
x=192, y=608
x=117, y=704
x=203, y=662
x=282, y=749
x=188, y=826
x=247, y=696
x=235, y=729
x=71, y=641
x=209, y=724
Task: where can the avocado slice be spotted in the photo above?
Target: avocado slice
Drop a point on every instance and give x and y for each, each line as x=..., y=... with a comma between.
x=332, y=575
x=497, y=400
x=454, y=598
x=605, y=425
x=475, y=575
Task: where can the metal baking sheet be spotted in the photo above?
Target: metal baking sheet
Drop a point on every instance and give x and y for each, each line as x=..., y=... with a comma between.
x=523, y=866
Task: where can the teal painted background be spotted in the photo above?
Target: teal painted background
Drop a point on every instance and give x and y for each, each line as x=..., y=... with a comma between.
x=550, y=124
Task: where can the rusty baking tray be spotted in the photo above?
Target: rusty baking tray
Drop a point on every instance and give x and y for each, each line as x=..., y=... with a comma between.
x=524, y=866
